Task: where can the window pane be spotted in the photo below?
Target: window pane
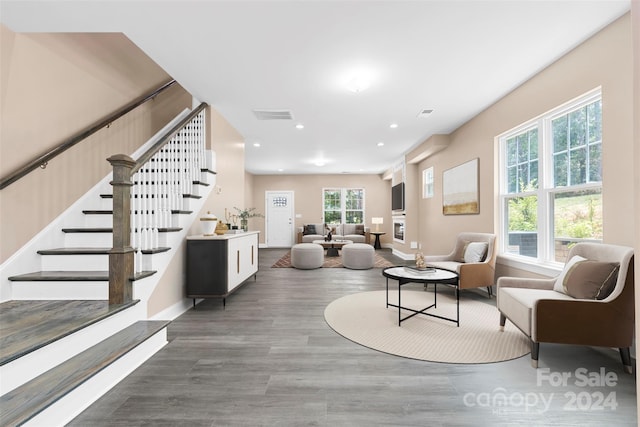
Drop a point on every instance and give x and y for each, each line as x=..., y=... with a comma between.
x=578, y=170
x=512, y=150
x=523, y=148
x=594, y=115
x=578, y=128
x=332, y=199
x=560, y=170
x=354, y=217
x=522, y=220
x=332, y=217
x=533, y=144
x=512, y=180
x=595, y=163
x=577, y=216
x=533, y=173
x=559, y=127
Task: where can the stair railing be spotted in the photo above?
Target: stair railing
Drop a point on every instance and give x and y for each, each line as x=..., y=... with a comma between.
x=42, y=160
x=146, y=194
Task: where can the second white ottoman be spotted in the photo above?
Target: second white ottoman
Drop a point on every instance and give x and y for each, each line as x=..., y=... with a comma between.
x=307, y=256
x=358, y=256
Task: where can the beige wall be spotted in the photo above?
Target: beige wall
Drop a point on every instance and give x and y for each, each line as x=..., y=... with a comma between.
x=604, y=60
x=308, y=197
x=53, y=86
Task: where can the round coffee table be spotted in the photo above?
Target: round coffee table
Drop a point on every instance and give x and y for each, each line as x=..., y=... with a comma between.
x=332, y=246
x=436, y=276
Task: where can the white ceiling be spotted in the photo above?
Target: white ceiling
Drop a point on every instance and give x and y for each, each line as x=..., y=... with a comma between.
x=455, y=57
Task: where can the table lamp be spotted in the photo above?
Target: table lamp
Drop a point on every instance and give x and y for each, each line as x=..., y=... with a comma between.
x=377, y=221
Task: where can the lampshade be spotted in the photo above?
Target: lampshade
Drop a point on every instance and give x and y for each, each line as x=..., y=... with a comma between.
x=377, y=221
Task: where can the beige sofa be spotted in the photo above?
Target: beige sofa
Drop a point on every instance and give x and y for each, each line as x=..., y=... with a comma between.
x=357, y=233
x=590, y=303
x=475, y=267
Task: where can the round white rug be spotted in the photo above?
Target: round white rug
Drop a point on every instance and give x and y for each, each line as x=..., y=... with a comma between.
x=365, y=319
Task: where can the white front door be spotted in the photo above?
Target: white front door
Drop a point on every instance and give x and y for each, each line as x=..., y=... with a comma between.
x=279, y=219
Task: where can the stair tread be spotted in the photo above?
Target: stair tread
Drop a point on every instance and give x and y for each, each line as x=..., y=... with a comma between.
x=110, y=229
x=75, y=251
x=110, y=211
x=26, y=401
x=71, y=276
x=98, y=212
x=26, y=329
x=93, y=251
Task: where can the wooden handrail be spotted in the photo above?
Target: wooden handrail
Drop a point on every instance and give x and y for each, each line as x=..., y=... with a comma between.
x=43, y=159
x=147, y=155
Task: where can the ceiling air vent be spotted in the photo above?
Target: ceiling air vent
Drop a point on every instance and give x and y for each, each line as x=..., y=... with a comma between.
x=273, y=114
x=424, y=113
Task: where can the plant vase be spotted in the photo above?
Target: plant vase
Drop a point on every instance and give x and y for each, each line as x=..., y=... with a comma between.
x=244, y=224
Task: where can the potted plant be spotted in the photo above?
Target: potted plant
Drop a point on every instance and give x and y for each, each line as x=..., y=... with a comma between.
x=245, y=214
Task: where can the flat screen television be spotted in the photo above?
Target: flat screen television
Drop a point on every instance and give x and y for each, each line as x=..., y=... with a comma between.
x=397, y=197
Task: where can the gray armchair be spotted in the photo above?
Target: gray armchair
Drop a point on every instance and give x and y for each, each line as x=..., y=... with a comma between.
x=472, y=273
x=590, y=303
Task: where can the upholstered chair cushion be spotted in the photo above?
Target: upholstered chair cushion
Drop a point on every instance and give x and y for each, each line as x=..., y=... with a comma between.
x=475, y=252
x=558, y=286
x=591, y=279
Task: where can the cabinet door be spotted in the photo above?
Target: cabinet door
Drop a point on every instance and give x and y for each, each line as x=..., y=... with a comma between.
x=243, y=259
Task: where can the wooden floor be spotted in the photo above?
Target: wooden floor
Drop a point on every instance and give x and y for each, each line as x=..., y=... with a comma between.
x=270, y=359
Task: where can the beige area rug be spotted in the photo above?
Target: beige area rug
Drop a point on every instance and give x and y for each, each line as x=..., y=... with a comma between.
x=364, y=319
x=331, y=262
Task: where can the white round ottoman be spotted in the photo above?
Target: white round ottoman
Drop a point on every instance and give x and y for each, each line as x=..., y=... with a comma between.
x=358, y=256
x=307, y=256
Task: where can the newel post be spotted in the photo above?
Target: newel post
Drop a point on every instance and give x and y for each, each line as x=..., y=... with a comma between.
x=121, y=255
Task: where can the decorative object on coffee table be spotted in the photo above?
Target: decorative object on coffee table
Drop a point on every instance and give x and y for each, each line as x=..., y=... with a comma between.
x=420, y=263
x=329, y=236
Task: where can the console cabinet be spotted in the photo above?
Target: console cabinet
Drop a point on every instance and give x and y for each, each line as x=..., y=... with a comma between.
x=218, y=265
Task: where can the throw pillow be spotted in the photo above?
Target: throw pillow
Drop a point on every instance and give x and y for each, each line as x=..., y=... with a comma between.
x=558, y=286
x=475, y=252
x=360, y=229
x=591, y=279
x=309, y=229
x=458, y=256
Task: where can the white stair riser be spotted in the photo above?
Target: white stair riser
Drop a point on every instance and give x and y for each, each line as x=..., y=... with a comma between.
x=70, y=406
x=61, y=290
x=75, y=262
x=88, y=240
x=98, y=220
x=24, y=369
x=106, y=203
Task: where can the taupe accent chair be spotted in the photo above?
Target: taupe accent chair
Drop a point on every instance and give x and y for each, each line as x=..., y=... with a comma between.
x=590, y=303
x=475, y=270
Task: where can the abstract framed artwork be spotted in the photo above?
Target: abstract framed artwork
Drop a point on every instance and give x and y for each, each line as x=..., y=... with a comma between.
x=460, y=189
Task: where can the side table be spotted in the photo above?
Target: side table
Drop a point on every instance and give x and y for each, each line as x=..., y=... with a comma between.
x=376, y=244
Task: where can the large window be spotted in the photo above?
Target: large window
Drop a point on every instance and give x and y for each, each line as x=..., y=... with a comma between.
x=551, y=182
x=343, y=205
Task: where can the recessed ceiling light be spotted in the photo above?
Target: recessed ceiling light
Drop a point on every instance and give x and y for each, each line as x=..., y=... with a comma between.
x=393, y=125
x=256, y=144
x=380, y=144
x=319, y=163
x=280, y=170
x=299, y=126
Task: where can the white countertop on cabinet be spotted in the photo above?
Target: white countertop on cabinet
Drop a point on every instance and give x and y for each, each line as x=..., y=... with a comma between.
x=221, y=236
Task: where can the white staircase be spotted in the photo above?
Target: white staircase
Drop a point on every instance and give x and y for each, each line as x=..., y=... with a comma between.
x=59, y=335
